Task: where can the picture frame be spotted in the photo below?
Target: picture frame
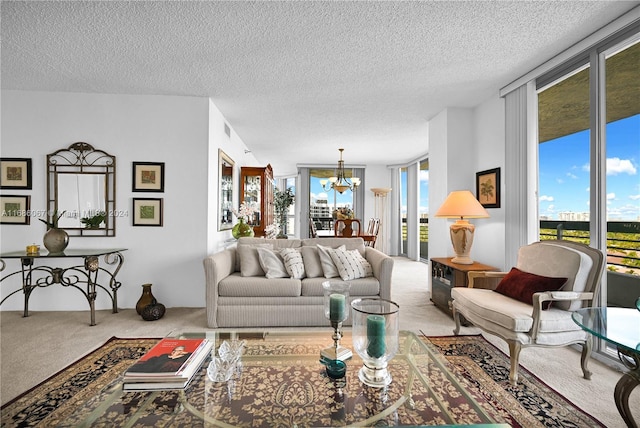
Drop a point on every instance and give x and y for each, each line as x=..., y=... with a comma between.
x=147, y=212
x=488, y=188
x=15, y=209
x=148, y=177
x=15, y=173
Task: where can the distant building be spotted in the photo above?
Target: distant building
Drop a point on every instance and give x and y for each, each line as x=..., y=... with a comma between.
x=571, y=216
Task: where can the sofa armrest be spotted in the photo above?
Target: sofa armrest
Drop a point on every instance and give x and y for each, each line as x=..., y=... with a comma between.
x=553, y=296
x=216, y=267
x=382, y=266
x=488, y=280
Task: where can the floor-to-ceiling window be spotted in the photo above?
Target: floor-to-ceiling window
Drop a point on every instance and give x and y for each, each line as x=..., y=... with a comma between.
x=323, y=202
x=423, y=176
x=589, y=154
x=403, y=209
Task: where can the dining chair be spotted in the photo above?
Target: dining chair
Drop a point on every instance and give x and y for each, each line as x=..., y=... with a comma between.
x=372, y=229
x=347, y=227
x=313, y=232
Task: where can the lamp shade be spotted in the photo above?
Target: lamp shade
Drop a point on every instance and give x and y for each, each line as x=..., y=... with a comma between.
x=461, y=204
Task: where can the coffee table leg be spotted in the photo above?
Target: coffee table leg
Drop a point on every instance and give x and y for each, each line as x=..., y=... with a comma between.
x=626, y=384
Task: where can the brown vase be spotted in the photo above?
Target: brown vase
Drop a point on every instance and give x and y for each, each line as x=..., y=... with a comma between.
x=146, y=299
x=55, y=240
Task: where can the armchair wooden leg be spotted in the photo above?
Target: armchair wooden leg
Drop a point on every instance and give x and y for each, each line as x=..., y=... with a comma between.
x=514, y=357
x=586, y=356
x=456, y=318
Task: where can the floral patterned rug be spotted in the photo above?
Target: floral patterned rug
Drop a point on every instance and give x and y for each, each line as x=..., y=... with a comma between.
x=88, y=393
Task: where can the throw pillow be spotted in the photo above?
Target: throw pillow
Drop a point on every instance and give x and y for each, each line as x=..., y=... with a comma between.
x=328, y=267
x=312, y=265
x=293, y=262
x=249, y=260
x=521, y=285
x=350, y=264
x=271, y=263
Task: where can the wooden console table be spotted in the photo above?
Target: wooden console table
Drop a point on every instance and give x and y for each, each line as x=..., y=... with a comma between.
x=34, y=276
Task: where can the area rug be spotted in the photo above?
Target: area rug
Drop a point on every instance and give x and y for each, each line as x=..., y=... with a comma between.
x=78, y=392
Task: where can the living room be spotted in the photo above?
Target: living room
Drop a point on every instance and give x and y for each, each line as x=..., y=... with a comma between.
x=185, y=131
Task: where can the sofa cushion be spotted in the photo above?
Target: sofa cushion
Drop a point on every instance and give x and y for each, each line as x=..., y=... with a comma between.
x=349, y=243
x=272, y=263
x=522, y=285
x=293, y=262
x=350, y=264
x=249, y=260
x=312, y=265
x=328, y=266
x=236, y=285
x=358, y=287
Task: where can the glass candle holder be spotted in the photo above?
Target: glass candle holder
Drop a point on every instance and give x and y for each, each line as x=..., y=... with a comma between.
x=375, y=338
x=336, y=295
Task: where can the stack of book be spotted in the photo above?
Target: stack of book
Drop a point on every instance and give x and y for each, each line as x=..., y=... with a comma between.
x=170, y=364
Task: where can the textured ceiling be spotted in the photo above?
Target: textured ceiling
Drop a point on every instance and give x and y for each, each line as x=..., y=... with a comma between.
x=297, y=80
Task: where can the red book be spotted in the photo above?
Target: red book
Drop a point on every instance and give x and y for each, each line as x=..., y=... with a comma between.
x=171, y=358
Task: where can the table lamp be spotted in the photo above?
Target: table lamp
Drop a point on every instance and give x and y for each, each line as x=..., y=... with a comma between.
x=461, y=204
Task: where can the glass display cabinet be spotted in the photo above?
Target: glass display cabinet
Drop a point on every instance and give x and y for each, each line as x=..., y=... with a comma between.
x=256, y=190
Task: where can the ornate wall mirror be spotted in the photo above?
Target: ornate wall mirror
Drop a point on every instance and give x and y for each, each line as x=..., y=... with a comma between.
x=225, y=190
x=81, y=182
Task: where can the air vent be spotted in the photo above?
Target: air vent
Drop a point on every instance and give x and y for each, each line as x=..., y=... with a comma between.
x=227, y=130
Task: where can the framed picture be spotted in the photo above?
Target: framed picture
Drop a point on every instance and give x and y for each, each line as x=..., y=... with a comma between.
x=15, y=209
x=488, y=188
x=147, y=211
x=15, y=173
x=148, y=177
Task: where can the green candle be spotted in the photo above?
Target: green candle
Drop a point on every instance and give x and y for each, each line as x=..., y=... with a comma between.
x=336, y=307
x=375, y=336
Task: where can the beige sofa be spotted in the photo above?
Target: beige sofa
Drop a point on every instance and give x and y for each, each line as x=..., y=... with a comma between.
x=239, y=294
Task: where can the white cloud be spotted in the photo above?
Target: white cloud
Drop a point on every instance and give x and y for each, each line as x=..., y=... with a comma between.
x=559, y=180
x=572, y=175
x=611, y=196
x=617, y=166
x=634, y=197
x=551, y=208
x=586, y=167
x=424, y=175
x=546, y=198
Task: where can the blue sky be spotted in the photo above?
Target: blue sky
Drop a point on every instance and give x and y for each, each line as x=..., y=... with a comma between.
x=564, y=172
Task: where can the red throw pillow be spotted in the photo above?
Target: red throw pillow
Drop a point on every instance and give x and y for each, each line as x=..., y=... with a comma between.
x=521, y=285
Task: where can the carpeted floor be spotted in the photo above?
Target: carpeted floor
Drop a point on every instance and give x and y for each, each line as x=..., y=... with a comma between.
x=69, y=397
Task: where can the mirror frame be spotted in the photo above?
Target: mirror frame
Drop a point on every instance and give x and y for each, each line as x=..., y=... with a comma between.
x=82, y=158
x=226, y=190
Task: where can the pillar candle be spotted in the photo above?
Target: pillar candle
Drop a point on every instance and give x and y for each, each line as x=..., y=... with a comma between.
x=336, y=307
x=375, y=336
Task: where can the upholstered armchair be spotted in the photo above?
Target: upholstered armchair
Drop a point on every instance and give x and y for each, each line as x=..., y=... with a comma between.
x=532, y=304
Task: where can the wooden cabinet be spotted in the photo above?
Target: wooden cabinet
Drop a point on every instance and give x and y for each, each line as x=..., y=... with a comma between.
x=256, y=189
x=445, y=275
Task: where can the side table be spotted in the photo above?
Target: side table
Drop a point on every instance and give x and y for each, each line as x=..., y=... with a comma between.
x=445, y=275
x=83, y=278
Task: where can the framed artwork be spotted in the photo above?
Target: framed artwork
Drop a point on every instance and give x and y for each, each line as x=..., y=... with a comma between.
x=15, y=173
x=147, y=211
x=15, y=209
x=488, y=188
x=148, y=177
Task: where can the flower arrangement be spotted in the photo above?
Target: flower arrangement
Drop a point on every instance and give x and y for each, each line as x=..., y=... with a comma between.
x=244, y=213
x=343, y=213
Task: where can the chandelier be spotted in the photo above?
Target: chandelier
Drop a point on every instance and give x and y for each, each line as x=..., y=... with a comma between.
x=340, y=183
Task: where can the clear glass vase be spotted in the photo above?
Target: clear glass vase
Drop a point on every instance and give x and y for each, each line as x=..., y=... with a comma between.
x=375, y=338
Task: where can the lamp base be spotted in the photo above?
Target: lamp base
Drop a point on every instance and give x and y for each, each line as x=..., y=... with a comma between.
x=462, y=238
x=465, y=260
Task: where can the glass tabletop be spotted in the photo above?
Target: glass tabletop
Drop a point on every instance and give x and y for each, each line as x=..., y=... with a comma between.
x=280, y=382
x=619, y=326
x=69, y=252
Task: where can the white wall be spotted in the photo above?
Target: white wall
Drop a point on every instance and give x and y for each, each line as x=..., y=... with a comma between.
x=461, y=143
x=173, y=130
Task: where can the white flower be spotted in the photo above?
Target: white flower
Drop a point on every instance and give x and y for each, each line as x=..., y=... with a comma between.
x=245, y=212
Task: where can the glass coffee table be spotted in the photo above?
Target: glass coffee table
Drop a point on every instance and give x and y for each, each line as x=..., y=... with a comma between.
x=621, y=328
x=280, y=382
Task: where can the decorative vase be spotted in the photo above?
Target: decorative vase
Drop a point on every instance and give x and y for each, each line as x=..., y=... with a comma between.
x=153, y=312
x=55, y=240
x=375, y=338
x=242, y=229
x=146, y=299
